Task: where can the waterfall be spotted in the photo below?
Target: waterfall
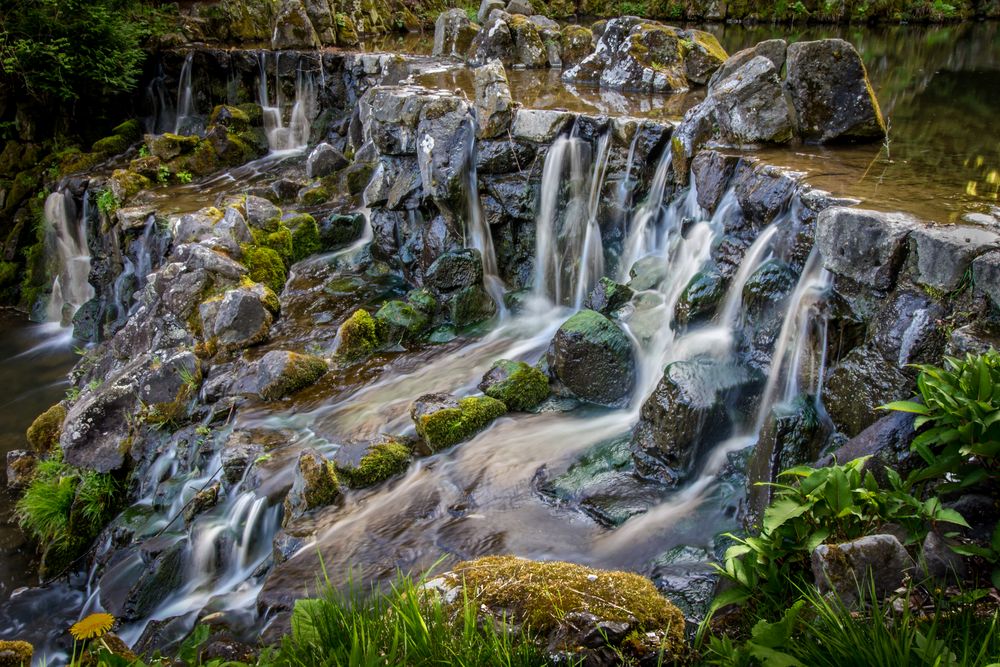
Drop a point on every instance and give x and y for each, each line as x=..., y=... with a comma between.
x=758, y=253
x=477, y=231
x=185, y=102
x=295, y=135
x=67, y=237
x=569, y=251
x=642, y=230
x=159, y=103
x=135, y=271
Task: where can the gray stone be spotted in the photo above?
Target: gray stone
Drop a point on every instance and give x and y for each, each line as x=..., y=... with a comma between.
x=986, y=275
x=262, y=214
x=772, y=49
x=712, y=172
x=865, y=246
x=293, y=29
x=539, y=125
x=168, y=379
x=494, y=42
x=750, y=106
x=486, y=8
x=943, y=253
x=134, y=217
x=315, y=485
x=197, y=257
x=831, y=93
x=453, y=33
x=695, y=128
x=243, y=318
x=974, y=338
x=455, y=270
x=20, y=468
x=522, y=7
x=234, y=225
x=324, y=160
x=887, y=442
x=494, y=106
x=853, y=569
x=280, y=373
x=939, y=562
x=608, y=296
x=593, y=358
x=861, y=382
x=97, y=424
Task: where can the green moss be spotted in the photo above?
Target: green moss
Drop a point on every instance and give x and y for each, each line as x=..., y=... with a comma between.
x=401, y=320
x=305, y=236
x=44, y=432
x=230, y=117
x=541, y=594
x=168, y=146
x=522, y=387
x=15, y=653
x=125, y=184
x=8, y=273
x=360, y=335
x=422, y=299
x=280, y=241
x=253, y=112
x=315, y=195
x=321, y=486
x=451, y=426
x=301, y=371
x=131, y=130
x=265, y=266
x=383, y=460
x=112, y=145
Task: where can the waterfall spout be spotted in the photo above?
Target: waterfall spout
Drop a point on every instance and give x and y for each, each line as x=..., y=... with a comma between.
x=185, y=102
x=293, y=136
x=477, y=231
x=67, y=237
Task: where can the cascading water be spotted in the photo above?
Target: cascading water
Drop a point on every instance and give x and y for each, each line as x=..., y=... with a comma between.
x=294, y=136
x=137, y=263
x=756, y=254
x=642, y=228
x=185, y=98
x=477, y=232
x=66, y=235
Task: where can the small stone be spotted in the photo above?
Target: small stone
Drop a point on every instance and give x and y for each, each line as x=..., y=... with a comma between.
x=873, y=562
x=315, y=485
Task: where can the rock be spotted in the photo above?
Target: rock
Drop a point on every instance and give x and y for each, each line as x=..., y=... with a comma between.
x=338, y=229
x=763, y=191
x=453, y=33
x=529, y=49
x=688, y=408
x=831, y=93
x=370, y=463
x=701, y=297
x=712, y=172
x=470, y=305
x=494, y=41
x=360, y=335
x=593, y=358
x=20, y=468
x=768, y=285
x=939, y=562
x=645, y=56
x=155, y=579
x=486, y=8
x=325, y=160
x=608, y=296
x=280, y=373
x=886, y=441
x=521, y=7
x=293, y=29
x=96, y=425
x=521, y=387
x=494, y=106
x=315, y=485
x=262, y=214
x=442, y=420
x=772, y=49
x=860, y=383
x=455, y=270
x=16, y=653
x=873, y=562
x=134, y=217
x=401, y=321
x=234, y=226
x=647, y=273
x=976, y=338
x=942, y=254
x=244, y=318
x=750, y=106
x=44, y=432
x=203, y=501
x=539, y=125
x=695, y=128
x=170, y=379
x=986, y=275
x=576, y=44
x=865, y=246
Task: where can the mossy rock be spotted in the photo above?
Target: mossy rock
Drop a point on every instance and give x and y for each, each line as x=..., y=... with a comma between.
x=130, y=130
x=315, y=485
x=422, y=299
x=470, y=305
x=280, y=241
x=360, y=335
x=357, y=176
x=544, y=595
x=347, y=33
x=72, y=162
x=378, y=461
x=282, y=373
x=254, y=113
x=148, y=166
x=112, y=145
x=314, y=194
x=230, y=117
x=168, y=146
x=701, y=297
x=125, y=184
x=516, y=383
x=265, y=266
x=8, y=274
x=441, y=421
x=44, y=432
x=15, y=653
x=401, y=321
x=305, y=236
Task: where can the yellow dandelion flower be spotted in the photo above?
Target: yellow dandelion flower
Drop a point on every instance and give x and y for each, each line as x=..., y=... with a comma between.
x=92, y=626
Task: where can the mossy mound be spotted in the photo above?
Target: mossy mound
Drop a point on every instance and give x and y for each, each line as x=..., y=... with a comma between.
x=287, y=372
x=360, y=335
x=401, y=321
x=544, y=595
x=315, y=485
x=44, y=432
x=381, y=460
x=451, y=425
x=265, y=266
x=112, y=145
x=519, y=385
x=15, y=653
x=305, y=236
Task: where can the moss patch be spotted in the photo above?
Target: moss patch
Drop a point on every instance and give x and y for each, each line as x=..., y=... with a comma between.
x=360, y=335
x=44, y=432
x=518, y=385
x=543, y=593
x=265, y=266
x=382, y=460
x=401, y=321
x=301, y=370
x=16, y=653
x=305, y=236
x=451, y=426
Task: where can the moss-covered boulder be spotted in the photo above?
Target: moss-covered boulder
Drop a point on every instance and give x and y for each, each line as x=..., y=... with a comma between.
x=577, y=42
x=369, y=463
x=401, y=321
x=608, y=296
x=442, y=420
x=112, y=145
x=15, y=653
x=280, y=373
x=167, y=146
x=453, y=33
x=230, y=117
x=125, y=184
x=529, y=50
x=570, y=608
x=305, y=235
x=360, y=335
x=593, y=358
x=44, y=432
x=265, y=266
x=315, y=485
x=519, y=385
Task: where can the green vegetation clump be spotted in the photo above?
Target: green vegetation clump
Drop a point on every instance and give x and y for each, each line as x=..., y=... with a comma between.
x=43, y=434
x=265, y=266
x=383, y=460
x=16, y=653
x=301, y=371
x=112, y=145
x=8, y=273
x=360, y=335
x=401, y=320
x=305, y=236
x=522, y=388
x=451, y=426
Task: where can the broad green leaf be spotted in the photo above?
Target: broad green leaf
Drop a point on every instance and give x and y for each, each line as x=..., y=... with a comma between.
x=304, y=616
x=780, y=511
x=779, y=633
x=906, y=406
x=949, y=515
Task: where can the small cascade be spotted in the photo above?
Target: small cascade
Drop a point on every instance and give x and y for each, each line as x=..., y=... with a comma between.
x=137, y=264
x=66, y=235
x=758, y=253
x=642, y=231
x=624, y=189
x=157, y=96
x=569, y=251
x=185, y=98
x=477, y=231
x=293, y=136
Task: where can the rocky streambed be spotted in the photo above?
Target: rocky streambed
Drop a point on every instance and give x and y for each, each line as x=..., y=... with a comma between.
x=340, y=318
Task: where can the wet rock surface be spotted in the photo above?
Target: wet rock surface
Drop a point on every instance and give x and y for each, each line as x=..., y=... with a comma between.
x=593, y=358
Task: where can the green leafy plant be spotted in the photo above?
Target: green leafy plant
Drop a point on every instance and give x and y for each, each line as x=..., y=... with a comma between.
x=184, y=177
x=107, y=203
x=144, y=151
x=163, y=174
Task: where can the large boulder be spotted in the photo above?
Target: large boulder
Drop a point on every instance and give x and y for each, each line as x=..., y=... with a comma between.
x=593, y=359
x=688, y=408
x=772, y=49
x=494, y=105
x=943, y=254
x=832, y=95
x=324, y=160
x=293, y=29
x=750, y=106
x=243, y=317
x=646, y=56
x=494, y=41
x=865, y=246
x=280, y=373
x=453, y=33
